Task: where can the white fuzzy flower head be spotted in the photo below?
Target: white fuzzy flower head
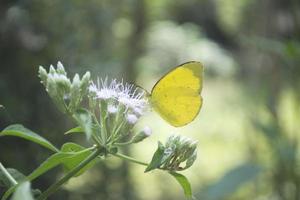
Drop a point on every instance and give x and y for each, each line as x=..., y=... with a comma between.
x=131, y=118
x=103, y=90
x=127, y=95
x=133, y=99
x=147, y=131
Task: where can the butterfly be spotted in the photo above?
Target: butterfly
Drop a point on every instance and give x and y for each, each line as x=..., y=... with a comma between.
x=177, y=95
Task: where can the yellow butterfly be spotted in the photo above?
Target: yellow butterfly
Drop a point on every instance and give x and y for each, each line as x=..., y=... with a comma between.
x=176, y=96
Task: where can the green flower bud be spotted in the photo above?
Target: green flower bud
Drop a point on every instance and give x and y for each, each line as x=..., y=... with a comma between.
x=52, y=70
x=60, y=88
x=53, y=92
x=62, y=82
x=184, y=143
x=43, y=75
x=171, y=141
x=85, y=81
x=179, y=149
x=76, y=81
x=61, y=69
x=51, y=86
x=75, y=96
x=190, y=161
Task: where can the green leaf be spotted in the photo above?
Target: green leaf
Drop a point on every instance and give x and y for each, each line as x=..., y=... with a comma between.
x=157, y=158
x=8, y=192
x=70, y=156
x=18, y=176
x=53, y=161
x=20, y=131
x=231, y=181
x=185, y=184
x=79, y=154
x=23, y=192
x=84, y=119
x=77, y=129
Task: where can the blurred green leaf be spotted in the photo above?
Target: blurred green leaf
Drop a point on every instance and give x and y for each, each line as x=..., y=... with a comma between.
x=157, y=158
x=23, y=192
x=8, y=192
x=70, y=156
x=77, y=129
x=19, y=130
x=48, y=164
x=270, y=131
x=185, y=184
x=18, y=176
x=84, y=119
x=79, y=155
x=231, y=181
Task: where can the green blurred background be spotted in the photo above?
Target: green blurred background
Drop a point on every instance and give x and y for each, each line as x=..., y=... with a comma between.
x=248, y=128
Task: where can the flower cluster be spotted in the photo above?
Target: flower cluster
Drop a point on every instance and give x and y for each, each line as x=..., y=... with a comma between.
x=119, y=106
x=67, y=95
x=179, y=153
x=114, y=107
x=180, y=149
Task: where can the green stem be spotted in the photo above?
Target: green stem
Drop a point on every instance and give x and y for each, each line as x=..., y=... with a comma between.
x=103, y=118
x=123, y=144
x=130, y=159
x=7, y=175
x=54, y=187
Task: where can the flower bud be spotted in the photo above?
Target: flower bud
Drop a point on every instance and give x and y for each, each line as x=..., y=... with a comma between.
x=131, y=119
x=75, y=97
x=43, y=75
x=52, y=70
x=64, y=81
x=85, y=82
x=76, y=81
x=61, y=69
x=146, y=132
x=60, y=88
x=179, y=149
x=184, y=143
x=190, y=161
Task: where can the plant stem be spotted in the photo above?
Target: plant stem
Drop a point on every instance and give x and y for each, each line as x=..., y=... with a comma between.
x=54, y=187
x=130, y=159
x=123, y=144
x=7, y=175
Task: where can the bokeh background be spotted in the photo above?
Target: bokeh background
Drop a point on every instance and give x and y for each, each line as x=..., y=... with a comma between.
x=248, y=128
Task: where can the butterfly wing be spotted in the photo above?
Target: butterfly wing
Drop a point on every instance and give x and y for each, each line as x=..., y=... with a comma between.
x=176, y=96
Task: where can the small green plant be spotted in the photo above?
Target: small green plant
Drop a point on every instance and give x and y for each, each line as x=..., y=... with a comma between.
x=105, y=112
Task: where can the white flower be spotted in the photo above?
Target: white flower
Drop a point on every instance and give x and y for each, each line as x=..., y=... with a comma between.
x=131, y=118
x=133, y=99
x=103, y=90
x=147, y=131
x=125, y=94
x=112, y=109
